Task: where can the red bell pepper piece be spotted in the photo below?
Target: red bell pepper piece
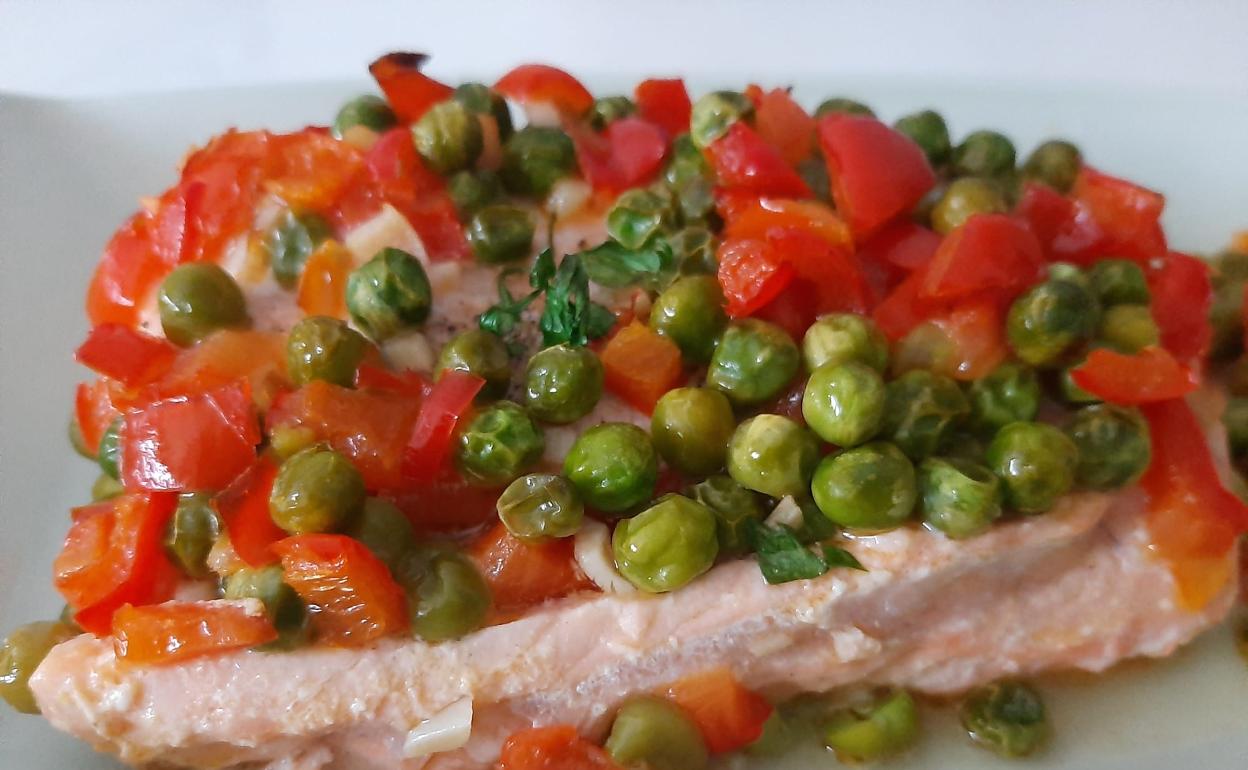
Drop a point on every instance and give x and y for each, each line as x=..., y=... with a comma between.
x=975, y=327
x=783, y=124
x=832, y=270
x=628, y=153
x=244, y=509
x=751, y=274
x=877, y=173
x=176, y=227
x=988, y=252
x=1150, y=375
x=665, y=103
x=222, y=359
x=521, y=574
x=1181, y=298
x=449, y=400
x=758, y=217
x=447, y=504
x=640, y=365
x=743, y=161
x=1065, y=228
x=407, y=383
x=94, y=411
x=128, y=356
x=196, y=442
x=538, y=83
x=558, y=747
x=409, y=91
x=176, y=631
x=126, y=274
x=1129, y=215
x=729, y=716
x=903, y=245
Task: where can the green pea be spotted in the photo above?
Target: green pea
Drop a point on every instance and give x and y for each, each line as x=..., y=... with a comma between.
x=283, y=606
x=959, y=498
x=1113, y=444
x=1231, y=265
x=1055, y=163
x=385, y=529
x=323, y=348
x=316, y=490
x=74, y=431
x=196, y=299
x=608, y=109
x=1066, y=271
x=540, y=505
x=637, y=216
x=109, y=454
x=480, y=353
x=871, y=487
x=885, y=727
x=191, y=532
x=480, y=99
x=1049, y=320
x=690, y=428
x=691, y=313
x=844, y=337
x=448, y=136
x=734, y=507
x=1069, y=391
x=21, y=654
x=654, y=733
x=501, y=233
x=842, y=106
x=388, y=293
x=1036, y=463
x=927, y=129
x=1128, y=328
x=667, y=545
x=534, y=158
x=814, y=172
x=715, y=113
x=105, y=487
x=291, y=241
x=1226, y=317
x=1007, y=718
x=498, y=444
x=694, y=248
x=472, y=191
x=753, y=362
x=613, y=466
x=983, y=153
x=1010, y=393
x=690, y=180
x=369, y=111
x=562, y=383
x=448, y=596
x=963, y=199
x=773, y=455
x=1235, y=420
x=964, y=445
x=928, y=347
x=844, y=403
x=921, y=410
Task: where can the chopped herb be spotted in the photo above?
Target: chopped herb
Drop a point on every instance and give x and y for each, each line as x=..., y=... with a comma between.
x=652, y=266
x=782, y=557
x=839, y=557
x=503, y=317
x=568, y=315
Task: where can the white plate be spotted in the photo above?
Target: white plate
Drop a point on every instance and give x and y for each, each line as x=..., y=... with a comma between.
x=71, y=171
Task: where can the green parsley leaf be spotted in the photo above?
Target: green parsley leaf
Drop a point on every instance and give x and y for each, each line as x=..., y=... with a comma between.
x=782, y=557
x=568, y=314
x=601, y=320
x=652, y=266
x=839, y=557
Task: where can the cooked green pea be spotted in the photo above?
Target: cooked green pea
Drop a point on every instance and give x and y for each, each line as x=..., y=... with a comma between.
x=498, y=444
x=1010, y=393
x=1007, y=718
x=690, y=428
x=608, y=109
x=382, y=527
x=840, y=105
x=734, y=507
x=927, y=129
x=637, y=216
x=1069, y=391
x=109, y=454
x=921, y=410
x=1226, y=317
x=844, y=403
x=196, y=299
x=1128, y=328
x=1056, y=163
x=958, y=497
x=1046, y=322
x=1066, y=271
x=983, y=153
x=316, y=490
x=1036, y=463
x=871, y=487
x=191, y=532
x=387, y=293
x=323, y=348
x=283, y=606
x=448, y=596
x=480, y=99
x=690, y=180
x=691, y=313
x=481, y=353
x=667, y=545
x=963, y=445
x=772, y=454
x=694, y=249
x=1119, y=282
x=887, y=726
x=715, y=113
x=534, y=158
x=927, y=346
x=21, y=654
x=369, y=111
x=105, y=487
x=753, y=362
x=1235, y=420
x=1113, y=443
x=472, y=191
x=654, y=733
x=501, y=233
x=540, y=505
x=291, y=241
x=844, y=337
x=448, y=136
x=613, y=466
x=965, y=198
x=562, y=383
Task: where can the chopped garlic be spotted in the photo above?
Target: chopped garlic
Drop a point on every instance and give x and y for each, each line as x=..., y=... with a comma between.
x=408, y=350
x=568, y=196
x=361, y=137
x=446, y=730
x=786, y=512
x=389, y=229
x=592, y=549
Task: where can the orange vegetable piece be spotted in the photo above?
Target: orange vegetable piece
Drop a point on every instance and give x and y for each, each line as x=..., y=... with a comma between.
x=755, y=220
x=641, y=366
x=558, y=747
x=785, y=125
x=323, y=285
x=729, y=716
x=521, y=574
x=177, y=631
x=225, y=357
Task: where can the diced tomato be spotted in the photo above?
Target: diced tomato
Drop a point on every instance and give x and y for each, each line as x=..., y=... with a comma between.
x=1181, y=298
x=128, y=356
x=783, y=124
x=196, y=442
x=176, y=225
x=521, y=574
x=729, y=716
x=352, y=598
x=751, y=274
x=450, y=399
x=1194, y=521
x=743, y=161
x=448, y=504
x=244, y=509
x=988, y=252
x=310, y=168
x=176, y=631
x=876, y=172
x=758, y=217
x=1129, y=215
x=224, y=358
x=323, y=283
x=832, y=270
x=126, y=274
x=794, y=309
x=409, y=91
x=541, y=83
x=1065, y=228
x=976, y=329
x=902, y=245
x=904, y=308
x=641, y=365
x=628, y=153
x=1150, y=375
x=113, y=556
x=552, y=748
x=94, y=411
x=665, y=103
x=408, y=383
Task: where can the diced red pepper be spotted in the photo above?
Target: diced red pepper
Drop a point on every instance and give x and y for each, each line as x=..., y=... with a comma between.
x=407, y=383
x=448, y=504
x=903, y=245
x=988, y=252
x=224, y=358
x=641, y=365
x=409, y=91
x=665, y=103
x=177, y=631
x=128, y=356
x=450, y=399
x=1129, y=215
x=1150, y=375
x=541, y=83
x=244, y=509
x=521, y=574
x=628, y=153
x=126, y=274
x=352, y=598
x=758, y=217
x=904, y=308
x=729, y=716
x=794, y=309
x=176, y=226
x=552, y=748
x=1181, y=298
x=783, y=124
x=1065, y=228
x=751, y=274
x=94, y=411
x=877, y=173
x=976, y=330
x=743, y=161
x=832, y=270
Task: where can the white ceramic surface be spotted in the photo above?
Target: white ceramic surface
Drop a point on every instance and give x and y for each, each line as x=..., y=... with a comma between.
x=71, y=171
